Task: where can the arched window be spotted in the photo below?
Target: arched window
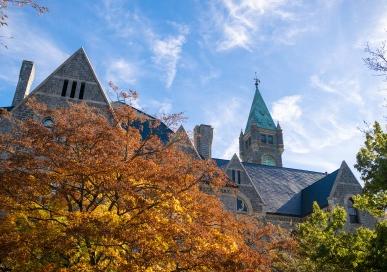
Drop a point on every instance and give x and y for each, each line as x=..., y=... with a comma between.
x=268, y=160
x=352, y=212
x=48, y=122
x=241, y=205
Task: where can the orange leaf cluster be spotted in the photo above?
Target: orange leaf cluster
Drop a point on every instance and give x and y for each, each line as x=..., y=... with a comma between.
x=87, y=195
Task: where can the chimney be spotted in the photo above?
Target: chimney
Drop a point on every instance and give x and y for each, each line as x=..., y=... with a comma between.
x=203, y=140
x=26, y=76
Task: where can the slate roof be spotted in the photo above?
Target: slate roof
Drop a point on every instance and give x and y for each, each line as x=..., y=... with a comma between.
x=7, y=108
x=281, y=188
x=259, y=113
x=318, y=191
x=145, y=127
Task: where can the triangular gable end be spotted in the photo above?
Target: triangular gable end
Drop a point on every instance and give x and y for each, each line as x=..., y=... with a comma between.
x=345, y=183
x=77, y=68
x=183, y=141
x=236, y=161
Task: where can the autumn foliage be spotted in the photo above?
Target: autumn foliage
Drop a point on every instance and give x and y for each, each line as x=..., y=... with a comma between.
x=87, y=195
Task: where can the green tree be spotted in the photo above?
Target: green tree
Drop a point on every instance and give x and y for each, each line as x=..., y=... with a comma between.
x=372, y=160
x=372, y=165
x=324, y=245
x=327, y=246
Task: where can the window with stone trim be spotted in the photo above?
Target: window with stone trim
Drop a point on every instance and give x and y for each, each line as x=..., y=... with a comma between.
x=64, y=87
x=236, y=176
x=270, y=139
x=82, y=90
x=352, y=212
x=73, y=88
x=263, y=138
x=241, y=205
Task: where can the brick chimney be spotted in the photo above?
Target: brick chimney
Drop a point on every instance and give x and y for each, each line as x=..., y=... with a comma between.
x=26, y=76
x=203, y=140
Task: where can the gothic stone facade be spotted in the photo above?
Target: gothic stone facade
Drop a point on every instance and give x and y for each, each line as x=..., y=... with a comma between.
x=263, y=188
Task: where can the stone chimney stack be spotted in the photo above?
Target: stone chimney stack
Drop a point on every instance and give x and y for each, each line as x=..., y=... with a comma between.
x=26, y=76
x=203, y=140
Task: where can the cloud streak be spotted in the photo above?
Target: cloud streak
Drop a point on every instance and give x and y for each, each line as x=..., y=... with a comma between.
x=242, y=24
x=166, y=50
x=167, y=53
x=30, y=43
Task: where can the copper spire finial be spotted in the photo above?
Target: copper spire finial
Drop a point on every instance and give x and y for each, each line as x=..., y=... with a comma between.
x=257, y=81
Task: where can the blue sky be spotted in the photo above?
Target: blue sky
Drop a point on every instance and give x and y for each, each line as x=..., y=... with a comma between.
x=199, y=57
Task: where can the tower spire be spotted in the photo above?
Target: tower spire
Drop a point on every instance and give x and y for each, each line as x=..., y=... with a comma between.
x=257, y=81
x=259, y=113
x=262, y=140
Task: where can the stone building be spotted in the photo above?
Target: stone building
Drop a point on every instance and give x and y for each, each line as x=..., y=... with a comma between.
x=263, y=187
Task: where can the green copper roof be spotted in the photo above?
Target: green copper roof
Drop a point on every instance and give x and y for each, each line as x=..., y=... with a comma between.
x=259, y=114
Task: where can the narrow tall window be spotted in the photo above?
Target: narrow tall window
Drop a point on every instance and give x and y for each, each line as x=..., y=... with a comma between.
x=263, y=138
x=73, y=88
x=352, y=212
x=270, y=139
x=239, y=177
x=64, y=88
x=233, y=175
x=82, y=90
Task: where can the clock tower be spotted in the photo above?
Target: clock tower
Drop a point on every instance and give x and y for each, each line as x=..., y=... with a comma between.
x=262, y=140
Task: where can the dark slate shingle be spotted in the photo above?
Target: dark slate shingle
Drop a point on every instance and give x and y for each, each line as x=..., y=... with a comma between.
x=319, y=192
x=280, y=187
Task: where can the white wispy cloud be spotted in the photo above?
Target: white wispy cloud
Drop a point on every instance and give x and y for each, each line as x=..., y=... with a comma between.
x=127, y=23
x=162, y=107
x=167, y=52
x=121, y=71
x=322, y=126
x=242, y=24
x=31, y=43
x=225, y=121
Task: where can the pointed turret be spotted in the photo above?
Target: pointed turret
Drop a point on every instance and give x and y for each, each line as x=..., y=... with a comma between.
x=259, y=113
x=262, y=140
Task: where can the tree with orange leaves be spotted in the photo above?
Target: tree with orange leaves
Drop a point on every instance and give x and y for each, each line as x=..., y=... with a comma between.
x=85, y=192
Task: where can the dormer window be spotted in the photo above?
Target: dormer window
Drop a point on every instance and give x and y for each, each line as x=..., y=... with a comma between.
x=352, y=212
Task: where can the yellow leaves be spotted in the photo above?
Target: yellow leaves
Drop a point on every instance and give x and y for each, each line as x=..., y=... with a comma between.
x=108, y=201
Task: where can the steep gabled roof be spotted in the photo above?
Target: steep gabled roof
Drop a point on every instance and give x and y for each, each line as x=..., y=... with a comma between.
x=319, y=192
x=184, y=142
x=78, y=59
x=145, y=124
x=280, y=187
x=259, y=113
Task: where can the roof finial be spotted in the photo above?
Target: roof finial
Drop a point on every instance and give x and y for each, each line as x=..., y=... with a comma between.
x=257, y=81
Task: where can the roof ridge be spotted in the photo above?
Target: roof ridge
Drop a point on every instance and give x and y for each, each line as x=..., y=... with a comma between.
x=276, y=167
x=322, y=179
